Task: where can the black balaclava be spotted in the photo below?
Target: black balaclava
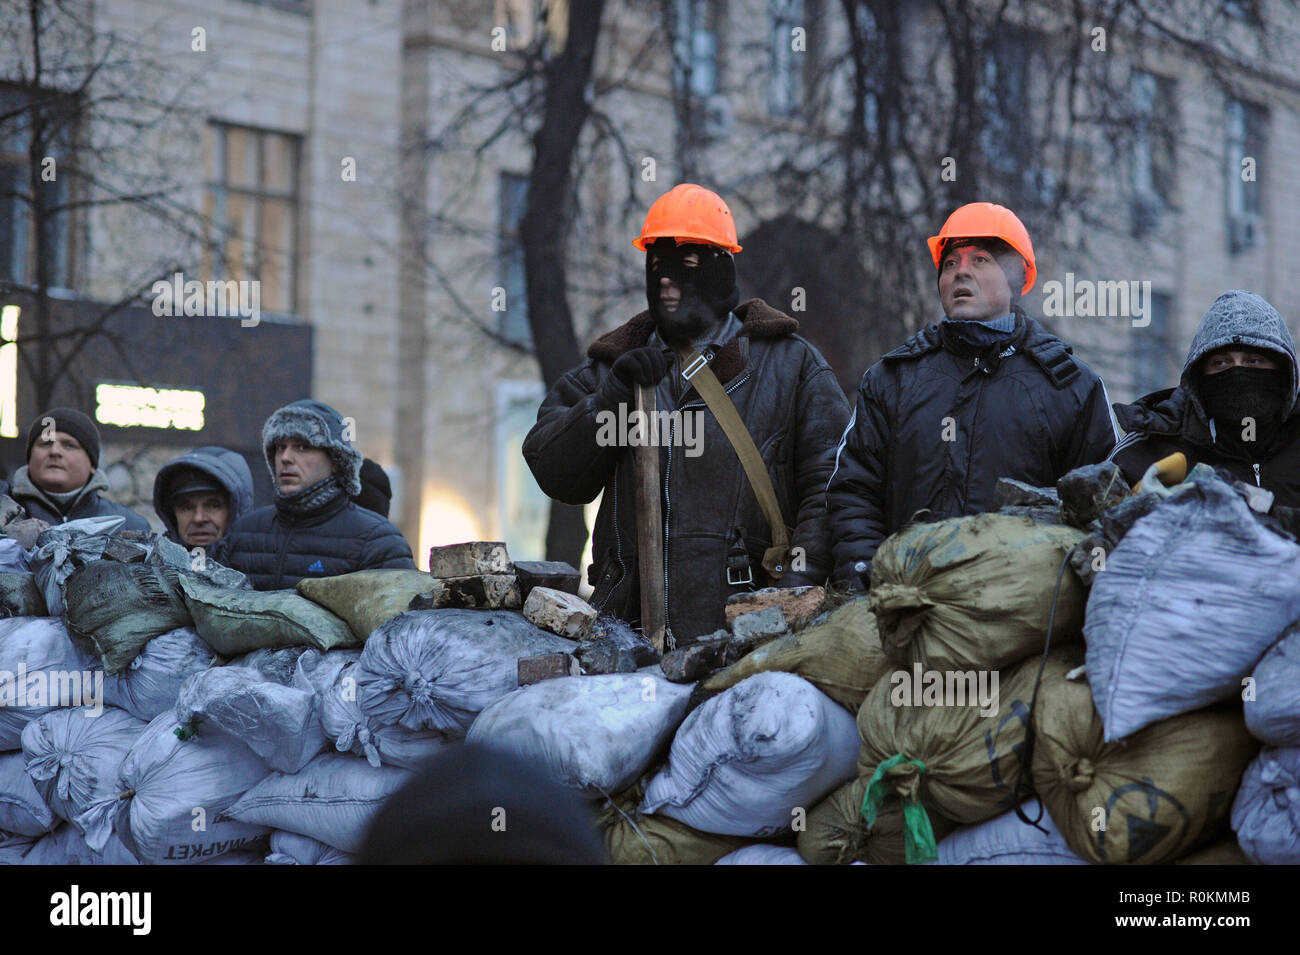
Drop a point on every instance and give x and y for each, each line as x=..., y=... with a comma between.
x=708, y=292
x=1241, y=392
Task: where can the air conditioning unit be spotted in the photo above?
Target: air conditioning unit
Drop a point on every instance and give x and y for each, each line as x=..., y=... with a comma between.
x=718, y=116
x=1244, y=231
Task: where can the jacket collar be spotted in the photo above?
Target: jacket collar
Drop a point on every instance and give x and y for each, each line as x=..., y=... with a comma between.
x=757, y=318
x=23, y=486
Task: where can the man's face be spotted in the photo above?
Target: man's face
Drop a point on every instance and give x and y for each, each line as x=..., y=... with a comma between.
x=972, y=285
x=674, y=277
x=59, y=465
x=299, y=465
x=1221, y=359
x=670, y=293
x=201, y=517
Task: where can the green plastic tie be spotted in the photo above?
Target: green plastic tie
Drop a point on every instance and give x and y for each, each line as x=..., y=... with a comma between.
x=918, y=834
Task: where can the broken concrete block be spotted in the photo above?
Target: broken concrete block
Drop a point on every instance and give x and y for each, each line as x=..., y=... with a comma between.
x=565, y=615
x=1011, y=493
x=1088, y=557
x=605, y=656
x=483, y=592
x=625, y=638
x=757, y=624
x=696, y=661
x=796, y=603
x=556, y=574
x=1089, y=491
x=470, y=559
x=546, y=666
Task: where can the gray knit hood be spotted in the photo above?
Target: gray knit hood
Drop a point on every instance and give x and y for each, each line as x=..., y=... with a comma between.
x=227, y=467
x=1241, y=318
x=320, y=426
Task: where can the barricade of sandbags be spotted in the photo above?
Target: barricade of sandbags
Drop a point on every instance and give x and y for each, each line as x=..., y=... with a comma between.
x=1266, y=813
x=753, y=760
x=40, y=669
x=234, y=622
x=974, y=592
x=1192, y=597
x=1272, y=699
x=593, y=734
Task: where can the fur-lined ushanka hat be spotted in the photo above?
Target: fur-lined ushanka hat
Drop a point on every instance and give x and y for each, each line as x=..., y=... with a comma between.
x=319, y=425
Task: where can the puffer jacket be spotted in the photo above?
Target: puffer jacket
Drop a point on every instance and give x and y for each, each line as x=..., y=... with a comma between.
x=277, y=549
x=228, y=468
x=789, y=400
x=936, y=424
x=89, y=503
x=1174, y=419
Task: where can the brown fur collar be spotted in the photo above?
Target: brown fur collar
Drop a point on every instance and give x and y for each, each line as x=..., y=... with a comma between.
x=757, y=318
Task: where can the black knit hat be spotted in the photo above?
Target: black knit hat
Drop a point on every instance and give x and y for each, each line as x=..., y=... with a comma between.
x=376, y=493
x=69, y=421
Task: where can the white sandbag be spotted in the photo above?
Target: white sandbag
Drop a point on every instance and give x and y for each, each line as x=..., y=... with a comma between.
x=150, y=685
x=1272, y=704
x=171, y=793
x=41, y=669
x=763, y=854
x=13, y=559
x=350, y=731
x=14, y=848
x=593, y=734
x=316, y=671
x=438, y=669
x=73, y=756
x=63, y=548
x=67, y=846
x=332, y=800
x=1189, y=601
x=746, y=761
x=1266, y=813
x=1005, y=840
x=276, y=722
x=23, y=811
x=289, y=848
x=276, y=664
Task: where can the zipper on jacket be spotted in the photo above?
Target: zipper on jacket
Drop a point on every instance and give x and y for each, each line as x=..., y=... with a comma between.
x=618, y=549
x=1256, y=467
x=670, y=640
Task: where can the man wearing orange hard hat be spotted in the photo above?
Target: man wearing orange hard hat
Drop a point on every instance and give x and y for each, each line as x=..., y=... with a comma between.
x=985, y=393
x=695, y=336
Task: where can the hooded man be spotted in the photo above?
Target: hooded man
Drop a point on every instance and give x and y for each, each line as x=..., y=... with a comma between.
x=313, y=529
x=1235, y=406
x=61, y=481
x=715, y=534
x=201, y=494
x=986, y=393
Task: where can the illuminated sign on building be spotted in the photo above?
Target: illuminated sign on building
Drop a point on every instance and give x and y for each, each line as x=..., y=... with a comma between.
x=132, y=406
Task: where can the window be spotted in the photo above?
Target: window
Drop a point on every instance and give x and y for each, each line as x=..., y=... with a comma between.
x=22, y=211
x=251, y=210
x=1246, y=124
x=523, y=509
x=785, y=92
x=1007, y=139
x=1154, y=348
x=511, y=203
x=1154, y=144
x=695, y=49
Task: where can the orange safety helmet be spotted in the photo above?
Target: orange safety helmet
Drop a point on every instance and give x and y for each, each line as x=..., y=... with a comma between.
x=689, y=213
x=986, y=220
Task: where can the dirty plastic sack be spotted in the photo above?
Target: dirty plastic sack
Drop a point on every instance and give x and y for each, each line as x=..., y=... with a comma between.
x=762, y=854
x=367, y=598
x=151, y=682
x=40, y=669
x=333, y=800
x=1198, y=589
x=438, y=669
x=1266, y=813
x=20, y=597
x=745, y=761
x=1273, y=705
x=289, y=848
x=836, y=833
x=1005, y=840
x=234, y=622
x=593, y=734
x=276, y=722
x=73, y=755
x=13, y=848
x=62, y=548
x=166, y=784
x=121, y=607
x=317, y=672
x=13, y=559
x=23, y=810
x=276, y=664
x=350, y=731
x=67, y=846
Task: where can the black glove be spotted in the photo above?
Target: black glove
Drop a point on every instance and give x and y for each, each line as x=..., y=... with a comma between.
x=640, y=366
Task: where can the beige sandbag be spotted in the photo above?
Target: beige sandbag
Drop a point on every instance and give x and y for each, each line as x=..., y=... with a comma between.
x=367, y=598
x=974, y=591
x=1160, y=792
x=632, y=838
x=959, y=749
x=234, y=622
x=841, y=656
x=836, y=833
x=1224, y=852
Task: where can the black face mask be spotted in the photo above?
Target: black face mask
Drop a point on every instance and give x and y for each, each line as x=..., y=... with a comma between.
x=1237, y=393
x=708, y=290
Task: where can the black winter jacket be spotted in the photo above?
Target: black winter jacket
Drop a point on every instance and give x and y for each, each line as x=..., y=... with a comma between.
x=789, y=400
x=276, y=550
x=88, y=504
x=936, y=424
